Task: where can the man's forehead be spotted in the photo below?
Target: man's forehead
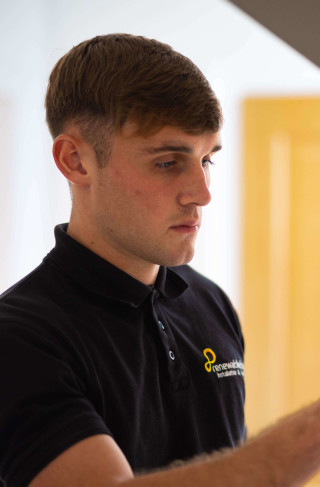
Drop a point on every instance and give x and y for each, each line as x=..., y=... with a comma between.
x=175, y=146
x=173, y=139
x=208, y=143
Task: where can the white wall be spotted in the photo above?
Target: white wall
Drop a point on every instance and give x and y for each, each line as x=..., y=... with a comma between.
x=238, y=56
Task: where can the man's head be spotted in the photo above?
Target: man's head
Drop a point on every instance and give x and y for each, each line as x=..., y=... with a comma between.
x=135, y=126
x=109, y=80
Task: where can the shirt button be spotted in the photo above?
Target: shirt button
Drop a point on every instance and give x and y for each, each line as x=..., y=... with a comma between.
x=161, y=324
x=172, y=355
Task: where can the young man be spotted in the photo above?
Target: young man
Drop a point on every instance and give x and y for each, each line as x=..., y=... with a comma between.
x=115, y=356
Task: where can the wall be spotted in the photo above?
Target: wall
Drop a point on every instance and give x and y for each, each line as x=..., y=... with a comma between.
x=238, y=56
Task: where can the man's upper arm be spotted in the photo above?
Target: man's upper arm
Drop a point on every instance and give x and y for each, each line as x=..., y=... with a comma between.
x=43, y=410
x=95, y=461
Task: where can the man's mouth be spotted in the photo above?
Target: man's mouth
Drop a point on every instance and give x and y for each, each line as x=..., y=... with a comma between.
x=190, y=226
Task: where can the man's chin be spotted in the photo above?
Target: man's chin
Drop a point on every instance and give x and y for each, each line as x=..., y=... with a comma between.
x=178, y=260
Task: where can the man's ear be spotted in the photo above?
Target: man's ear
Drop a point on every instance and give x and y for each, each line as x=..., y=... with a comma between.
x=68, y=155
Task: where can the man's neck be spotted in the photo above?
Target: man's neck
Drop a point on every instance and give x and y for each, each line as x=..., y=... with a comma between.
x=144, y=272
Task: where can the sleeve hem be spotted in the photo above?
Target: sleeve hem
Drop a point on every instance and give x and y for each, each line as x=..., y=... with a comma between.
x=20, y=476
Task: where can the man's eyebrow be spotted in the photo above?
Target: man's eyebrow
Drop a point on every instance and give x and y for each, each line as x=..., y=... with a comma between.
x=176, y=148
x=216, y=148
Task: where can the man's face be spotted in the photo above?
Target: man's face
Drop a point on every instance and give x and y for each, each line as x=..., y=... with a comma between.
x=146, y=202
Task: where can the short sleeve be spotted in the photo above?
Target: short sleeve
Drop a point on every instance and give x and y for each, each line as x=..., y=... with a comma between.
x=43, y=406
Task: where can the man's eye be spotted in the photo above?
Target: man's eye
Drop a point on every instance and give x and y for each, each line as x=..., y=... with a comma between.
x=207, y=162
x=165, y=165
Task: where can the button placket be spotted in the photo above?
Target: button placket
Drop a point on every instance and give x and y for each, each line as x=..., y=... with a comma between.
x=176, y=370
x=167, y=339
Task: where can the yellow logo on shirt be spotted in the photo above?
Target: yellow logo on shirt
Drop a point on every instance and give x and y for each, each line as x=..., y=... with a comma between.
x=224, y=369
x=211, y=358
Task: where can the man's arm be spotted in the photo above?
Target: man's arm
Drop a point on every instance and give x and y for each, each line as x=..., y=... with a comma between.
x=285, y=455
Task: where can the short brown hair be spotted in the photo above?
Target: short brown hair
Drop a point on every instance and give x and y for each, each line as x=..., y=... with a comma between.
x=106, y=81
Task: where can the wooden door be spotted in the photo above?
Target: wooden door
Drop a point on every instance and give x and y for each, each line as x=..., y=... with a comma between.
x=281, y=257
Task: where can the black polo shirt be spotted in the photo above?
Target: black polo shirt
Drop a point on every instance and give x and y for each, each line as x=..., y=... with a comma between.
x=86, y=349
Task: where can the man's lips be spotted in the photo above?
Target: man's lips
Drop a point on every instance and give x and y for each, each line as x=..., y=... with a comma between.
x=187, y=226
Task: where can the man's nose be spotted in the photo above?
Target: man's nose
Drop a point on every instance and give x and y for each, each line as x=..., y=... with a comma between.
x=195, y=188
